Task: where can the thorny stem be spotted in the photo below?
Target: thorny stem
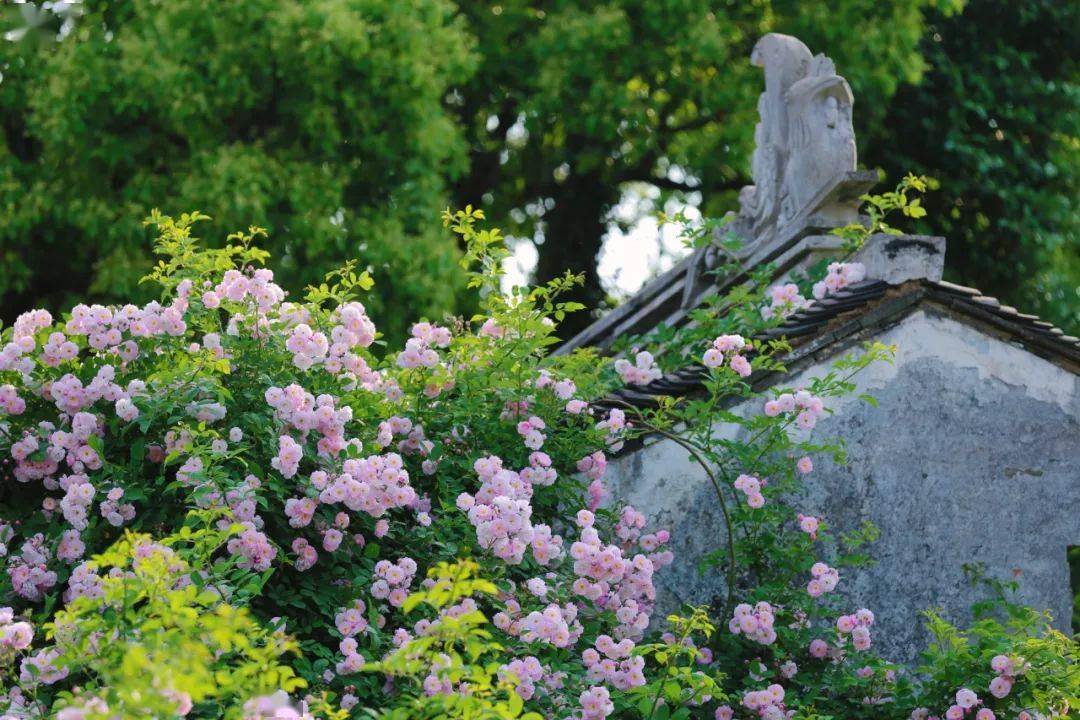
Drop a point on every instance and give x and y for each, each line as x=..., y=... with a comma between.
x=693, y=451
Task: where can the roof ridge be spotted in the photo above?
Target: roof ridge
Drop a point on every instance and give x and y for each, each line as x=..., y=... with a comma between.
x=802, y=325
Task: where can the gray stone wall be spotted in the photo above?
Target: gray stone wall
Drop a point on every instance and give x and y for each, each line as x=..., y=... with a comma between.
x=973, y=455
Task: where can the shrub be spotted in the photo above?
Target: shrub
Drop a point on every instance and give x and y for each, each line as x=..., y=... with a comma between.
x=162, y=607
x=428, y=525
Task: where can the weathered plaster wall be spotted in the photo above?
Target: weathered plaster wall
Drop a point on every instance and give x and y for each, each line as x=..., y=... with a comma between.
x=972, y=456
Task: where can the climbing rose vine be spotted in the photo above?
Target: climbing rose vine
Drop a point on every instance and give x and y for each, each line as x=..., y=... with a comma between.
x=235, y=503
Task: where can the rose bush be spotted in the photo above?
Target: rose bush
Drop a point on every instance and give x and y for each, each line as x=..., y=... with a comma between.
x=427, y=527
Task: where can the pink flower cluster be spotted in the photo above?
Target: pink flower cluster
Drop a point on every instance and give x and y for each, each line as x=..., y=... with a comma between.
x=350, y=622
x=300, y=511
x=126, y=410
x=10, y=402
x=539, y=471
x=84, y=709
x=71, y=546
x=207, y=412
x=419, y=350
x=636, y=593
x=554, y=624
x=967, y=700
x=307, y=346
x=289, y=455
x=810, y=408
x=374, y=485
x=1007, y=670
x=784, y=300
x=58, y=350
x=491, y=328
x=537, y=587
x=253, y=548
x=731, y=347
x=526, y=672
x=353, y=329
x=115, y=512
x=858, y=625
x=611, y=662
x=425, y=627
x=768, y=703
x=312, y=450
x=755, y=622
x=546, y=546
x=596, y=703
x=576, y=406
x=392, y=580
x=84, y=582
x=809, y=525
x=72, y=448
x=332, y=538
x=641, y=372
x=78, y=496
x=838, y=277
x=14, y=636
x=531, y=432
x=302, y=411
x=437, y=683
x=614, y=425
x=28, y=323
x=104, y=327
x=629, y=530
x=29, y=570
x=824, y=580
x=500, y=511
x=564, y=389
x=15, y=354
x=306, y=554
x=42, y=667
x=236, y=286
x=414, y=440
x=751, y=487
x=593, y=560
x=593, y=466
x=272, y=707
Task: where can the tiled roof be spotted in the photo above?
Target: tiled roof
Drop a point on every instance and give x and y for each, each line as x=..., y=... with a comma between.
x=861, y=310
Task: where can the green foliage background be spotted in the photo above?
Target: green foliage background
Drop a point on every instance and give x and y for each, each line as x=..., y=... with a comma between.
x=344, y=126
x=321, y=121
x=996, y=119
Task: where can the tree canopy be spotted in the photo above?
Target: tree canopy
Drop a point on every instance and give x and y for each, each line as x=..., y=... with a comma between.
x=996, y=120
x=323, y=122
x=342, y=125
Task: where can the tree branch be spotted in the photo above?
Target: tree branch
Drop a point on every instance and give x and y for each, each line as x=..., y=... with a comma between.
x=669, y=184
x=698, y=122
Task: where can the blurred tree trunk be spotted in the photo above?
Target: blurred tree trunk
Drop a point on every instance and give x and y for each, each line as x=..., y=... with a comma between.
x=573, y=234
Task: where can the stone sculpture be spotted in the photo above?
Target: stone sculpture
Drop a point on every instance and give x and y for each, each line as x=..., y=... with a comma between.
x=803, y=165
x=804, y=146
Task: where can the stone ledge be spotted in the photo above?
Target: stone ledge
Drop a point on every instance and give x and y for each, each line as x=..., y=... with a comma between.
x=899, y=258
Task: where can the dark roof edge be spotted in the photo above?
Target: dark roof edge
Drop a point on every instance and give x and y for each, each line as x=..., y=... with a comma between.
x=670, y=297
x=863, y=311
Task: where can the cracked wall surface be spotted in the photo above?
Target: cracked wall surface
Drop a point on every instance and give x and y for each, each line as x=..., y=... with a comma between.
x=973, y=456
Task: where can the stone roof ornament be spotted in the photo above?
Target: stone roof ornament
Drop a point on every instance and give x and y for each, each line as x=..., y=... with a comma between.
x=804, y=159
x=803, y=165
x=805, y=185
